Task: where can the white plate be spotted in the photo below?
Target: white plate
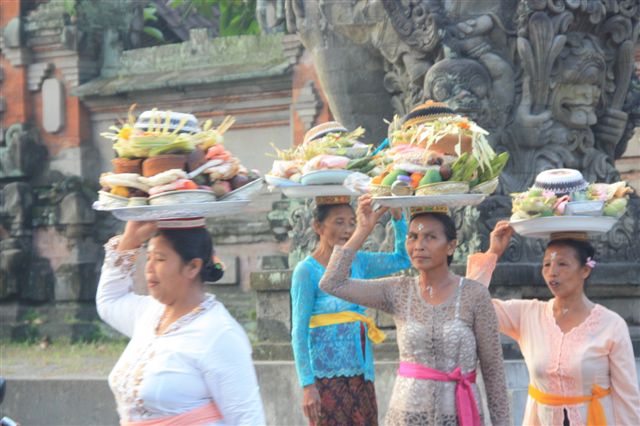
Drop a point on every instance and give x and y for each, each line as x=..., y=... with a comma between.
x=310, y=191
x=325, y=177
x=175, y=211
x=188, y=196
x=244, y=192
x=449, y=200
x=279, y=182
x=543, y=227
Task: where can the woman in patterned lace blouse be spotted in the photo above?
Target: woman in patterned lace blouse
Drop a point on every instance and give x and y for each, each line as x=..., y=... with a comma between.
x=188, y=361
x=579, y=354
x=331, y=337
x=445, y=324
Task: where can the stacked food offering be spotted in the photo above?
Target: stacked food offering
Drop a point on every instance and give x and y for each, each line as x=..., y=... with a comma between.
x=435, y=152
x=562, y=200
x=318, y=166
x=165, y=158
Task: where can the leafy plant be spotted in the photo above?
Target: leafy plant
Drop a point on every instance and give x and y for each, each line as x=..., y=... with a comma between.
x=95, y=16
x=236, y=17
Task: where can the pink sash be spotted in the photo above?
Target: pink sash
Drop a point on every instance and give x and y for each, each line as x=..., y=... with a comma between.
x=465, y=401
x=205, y=414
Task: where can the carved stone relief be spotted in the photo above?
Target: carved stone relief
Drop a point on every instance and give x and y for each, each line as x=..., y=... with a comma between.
x=552, y=80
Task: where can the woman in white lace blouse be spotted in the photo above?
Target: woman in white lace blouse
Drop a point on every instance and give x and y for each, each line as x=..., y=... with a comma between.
x=188, y=361
x=445, y=325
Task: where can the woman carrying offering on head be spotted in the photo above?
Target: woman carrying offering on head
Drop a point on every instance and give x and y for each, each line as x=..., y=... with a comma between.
x=188, y=361
x=581, y=365
x=445, y=325
x=332, y=337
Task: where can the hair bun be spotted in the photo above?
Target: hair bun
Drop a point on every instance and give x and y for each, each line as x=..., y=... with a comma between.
x=212, y=272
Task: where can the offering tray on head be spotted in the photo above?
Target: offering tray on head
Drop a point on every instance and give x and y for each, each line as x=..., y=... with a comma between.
x=176, y=211
x=545, y=227
x=448, y=200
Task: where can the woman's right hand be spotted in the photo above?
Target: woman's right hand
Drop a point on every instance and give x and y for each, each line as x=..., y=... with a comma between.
x=365, y=215
x=366, y=219
x=311, y=403
x=499, y=238
x=136, y=234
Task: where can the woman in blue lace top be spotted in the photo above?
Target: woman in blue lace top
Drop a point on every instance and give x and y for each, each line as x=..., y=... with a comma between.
x=331, y=337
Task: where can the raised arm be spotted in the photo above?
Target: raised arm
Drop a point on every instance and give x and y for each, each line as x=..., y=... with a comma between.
x=375, y=294
x=480, y=267
x=624, y=385
x=380, y=264
x=371, y=293
x=485, y=327
x=117, y=305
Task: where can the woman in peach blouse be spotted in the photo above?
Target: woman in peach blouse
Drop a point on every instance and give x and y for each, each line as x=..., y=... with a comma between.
x=581, y=365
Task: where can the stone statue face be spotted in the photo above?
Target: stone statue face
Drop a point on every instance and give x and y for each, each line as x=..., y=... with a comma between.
x=463, y=84
x=574, y=105
x=577, y=86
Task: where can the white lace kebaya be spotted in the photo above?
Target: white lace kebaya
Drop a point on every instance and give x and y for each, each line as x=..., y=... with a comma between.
x=203, y=357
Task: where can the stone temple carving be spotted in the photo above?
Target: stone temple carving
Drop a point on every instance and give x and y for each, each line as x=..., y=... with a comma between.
x=552, y=80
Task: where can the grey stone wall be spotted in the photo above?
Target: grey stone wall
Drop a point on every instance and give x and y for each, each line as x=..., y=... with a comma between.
x=84, y=401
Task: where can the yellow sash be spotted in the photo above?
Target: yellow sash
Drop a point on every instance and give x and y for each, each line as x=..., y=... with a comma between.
x=320, y=320
x=595, y=412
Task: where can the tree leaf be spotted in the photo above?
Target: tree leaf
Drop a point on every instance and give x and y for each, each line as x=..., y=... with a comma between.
x=149, y=14
x=153, y=32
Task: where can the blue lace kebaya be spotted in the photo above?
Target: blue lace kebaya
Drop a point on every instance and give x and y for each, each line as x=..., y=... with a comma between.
x=336, y=350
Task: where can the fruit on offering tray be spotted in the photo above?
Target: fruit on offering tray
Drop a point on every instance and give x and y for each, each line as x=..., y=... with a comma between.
x=328, y=146
x=434, y=151
x=564, y=192
x=165, y=157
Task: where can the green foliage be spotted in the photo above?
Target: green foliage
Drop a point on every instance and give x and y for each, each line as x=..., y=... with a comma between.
x=70, y=7
x=96, y=16
x=153, y=32
x=237, y=17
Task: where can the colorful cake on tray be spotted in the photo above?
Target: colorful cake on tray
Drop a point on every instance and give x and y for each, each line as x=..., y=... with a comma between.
x=564, y=192
x=434, y=151
x=327, y=147
x=167, y=158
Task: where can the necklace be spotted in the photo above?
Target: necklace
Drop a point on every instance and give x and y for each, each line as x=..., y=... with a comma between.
x=164, y=316
x=431, y=290
x=563, y=311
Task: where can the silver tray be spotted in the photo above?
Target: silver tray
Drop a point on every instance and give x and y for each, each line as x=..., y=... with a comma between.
x=543, y=227
x=449, y=200
x=176, y=211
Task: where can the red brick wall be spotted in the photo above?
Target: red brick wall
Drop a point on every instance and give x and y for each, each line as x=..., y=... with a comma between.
x=14, y=84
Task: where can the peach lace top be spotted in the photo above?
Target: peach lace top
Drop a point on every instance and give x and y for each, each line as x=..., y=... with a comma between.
x=598, y=351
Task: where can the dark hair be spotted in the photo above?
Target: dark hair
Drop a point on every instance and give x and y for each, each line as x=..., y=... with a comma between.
x=583, y=249
x=321, y=212
x=448, y=225
x=194, y=244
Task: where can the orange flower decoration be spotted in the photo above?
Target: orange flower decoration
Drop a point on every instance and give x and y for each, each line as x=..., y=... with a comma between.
x=464, y=125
